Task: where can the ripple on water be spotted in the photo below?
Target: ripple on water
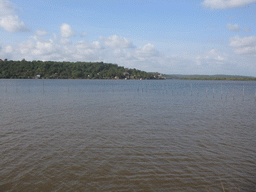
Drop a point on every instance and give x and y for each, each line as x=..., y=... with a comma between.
x=150, y=140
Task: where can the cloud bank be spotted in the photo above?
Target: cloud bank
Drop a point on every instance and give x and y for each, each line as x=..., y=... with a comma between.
x=120, y=50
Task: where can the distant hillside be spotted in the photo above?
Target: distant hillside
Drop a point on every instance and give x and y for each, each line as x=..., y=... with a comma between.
x=210, y=77
x=67, y=70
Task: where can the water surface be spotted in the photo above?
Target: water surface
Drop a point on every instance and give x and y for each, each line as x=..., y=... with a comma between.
x=109, y=135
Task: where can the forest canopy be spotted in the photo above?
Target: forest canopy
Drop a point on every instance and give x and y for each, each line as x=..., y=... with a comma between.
x=67, y=70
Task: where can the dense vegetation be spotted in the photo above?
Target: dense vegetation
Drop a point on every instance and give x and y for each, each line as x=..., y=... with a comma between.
x=211, y=77
x=67, y=70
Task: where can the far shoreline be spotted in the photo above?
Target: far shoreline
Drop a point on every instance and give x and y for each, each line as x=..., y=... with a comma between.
x=206, y=79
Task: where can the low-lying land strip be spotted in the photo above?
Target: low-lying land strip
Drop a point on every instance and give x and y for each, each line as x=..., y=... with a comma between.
x=211, y=77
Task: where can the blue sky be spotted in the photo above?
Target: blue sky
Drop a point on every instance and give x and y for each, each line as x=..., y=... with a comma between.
x=167, y=36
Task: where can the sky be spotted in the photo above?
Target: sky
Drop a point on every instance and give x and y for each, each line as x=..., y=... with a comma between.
x=166, y=36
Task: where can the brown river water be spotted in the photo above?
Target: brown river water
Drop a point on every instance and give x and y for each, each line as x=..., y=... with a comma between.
x=117, y=135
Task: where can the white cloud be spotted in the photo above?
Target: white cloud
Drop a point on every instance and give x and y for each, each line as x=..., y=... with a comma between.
x=9, y=20
x=116, y=41
x=6, y=8
x=41, y=50
x=12, y=23
x=42, y=32
x=66, y=30
x=244, y=45
x=224, y=4
x=234, y=27
x=9, y=49
x=212, y=57
x=59, y=49
x=87, y=45
x=65, y=41
x=147, y=50
x=123, y=54
x=146, y=57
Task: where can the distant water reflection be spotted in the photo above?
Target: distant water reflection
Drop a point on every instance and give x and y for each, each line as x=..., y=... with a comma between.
x=109, y=135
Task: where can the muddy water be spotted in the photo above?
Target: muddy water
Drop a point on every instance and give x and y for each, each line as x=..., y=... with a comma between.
x=94, y=135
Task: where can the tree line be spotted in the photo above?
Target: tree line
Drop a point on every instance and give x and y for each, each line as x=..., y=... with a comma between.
x=23, y=69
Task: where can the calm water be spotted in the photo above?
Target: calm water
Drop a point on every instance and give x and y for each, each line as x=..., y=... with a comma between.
x=104, y=135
